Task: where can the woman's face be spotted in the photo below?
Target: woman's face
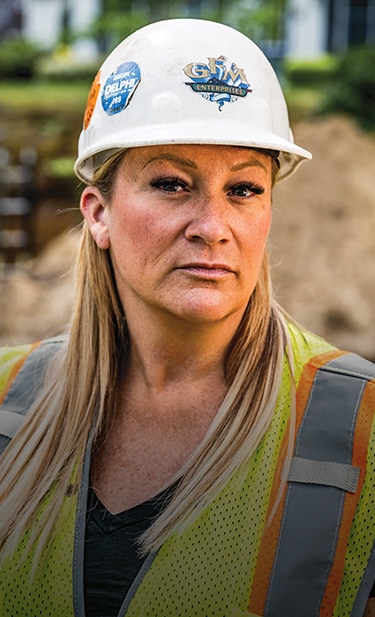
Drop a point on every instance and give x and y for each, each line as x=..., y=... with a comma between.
x=186, y=228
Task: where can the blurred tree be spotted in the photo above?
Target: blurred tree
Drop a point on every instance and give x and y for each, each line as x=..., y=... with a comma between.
x=262, y=20
x=116, y=21
x=352, y=87
x=66, y=33
x=18, y=58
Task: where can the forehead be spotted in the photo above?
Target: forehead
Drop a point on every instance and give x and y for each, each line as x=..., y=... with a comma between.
x=196, y=156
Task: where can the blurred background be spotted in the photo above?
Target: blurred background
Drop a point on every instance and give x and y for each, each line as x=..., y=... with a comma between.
x=322, y=243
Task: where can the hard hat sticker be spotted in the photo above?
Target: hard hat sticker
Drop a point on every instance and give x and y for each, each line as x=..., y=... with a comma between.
x=91, y=101
x=120, y=87
x=217, y=80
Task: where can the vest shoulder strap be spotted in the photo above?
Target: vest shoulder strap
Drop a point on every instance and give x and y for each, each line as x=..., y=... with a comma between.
x=301, y=560
x=24, y=389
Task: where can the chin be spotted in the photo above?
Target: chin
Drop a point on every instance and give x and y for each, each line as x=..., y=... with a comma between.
x=207, y=313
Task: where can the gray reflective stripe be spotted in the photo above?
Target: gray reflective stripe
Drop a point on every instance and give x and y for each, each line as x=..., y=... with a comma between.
x=24, y=389
x=10, y=422
x=137, y=583
x=312, y=512
x=324, y=472
x=30, y=377
x=79, y=536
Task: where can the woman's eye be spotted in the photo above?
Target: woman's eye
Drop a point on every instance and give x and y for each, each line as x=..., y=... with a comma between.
x=246, y=190
x=169, y=185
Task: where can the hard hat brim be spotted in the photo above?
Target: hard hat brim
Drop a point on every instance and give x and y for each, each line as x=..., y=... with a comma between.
x=291, y=155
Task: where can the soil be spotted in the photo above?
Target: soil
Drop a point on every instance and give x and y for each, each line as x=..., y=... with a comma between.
x=322, y=249
x=323, y=238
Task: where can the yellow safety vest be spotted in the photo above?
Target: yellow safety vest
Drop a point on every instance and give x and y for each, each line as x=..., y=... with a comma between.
x=230, y=562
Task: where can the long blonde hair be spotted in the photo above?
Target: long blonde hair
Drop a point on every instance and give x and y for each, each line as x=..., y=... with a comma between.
x=79, y=398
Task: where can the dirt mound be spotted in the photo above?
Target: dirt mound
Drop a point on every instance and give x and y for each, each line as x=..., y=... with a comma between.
x=322, y=249
x=323, y=238
x=36, y=298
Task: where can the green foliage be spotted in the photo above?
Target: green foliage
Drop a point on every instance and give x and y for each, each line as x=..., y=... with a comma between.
x=308, y=73
x=112, y=27
x=43, y=98
x=18, y=58
x=54, y=69
x=352, y=88
x=263, y=21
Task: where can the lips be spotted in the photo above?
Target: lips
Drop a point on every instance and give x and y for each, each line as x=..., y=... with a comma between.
x=207, y=269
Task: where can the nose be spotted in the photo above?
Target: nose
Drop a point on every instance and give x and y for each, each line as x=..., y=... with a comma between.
x=209, y=223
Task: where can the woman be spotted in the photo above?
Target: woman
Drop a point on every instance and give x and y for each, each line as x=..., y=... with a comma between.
x=167, y=466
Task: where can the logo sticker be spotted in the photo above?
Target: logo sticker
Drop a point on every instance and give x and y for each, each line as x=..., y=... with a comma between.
x=91, y=101
x=120, y=87
x=218, y=80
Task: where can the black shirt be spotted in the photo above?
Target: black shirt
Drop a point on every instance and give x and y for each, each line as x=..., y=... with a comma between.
x=111, y=552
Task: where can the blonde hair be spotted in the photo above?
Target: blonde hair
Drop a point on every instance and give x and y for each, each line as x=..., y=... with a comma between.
x=80, y=395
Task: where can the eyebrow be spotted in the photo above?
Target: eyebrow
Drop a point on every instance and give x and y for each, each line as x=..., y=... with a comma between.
x=252, y=162
x=171, y=157
x=249, y=163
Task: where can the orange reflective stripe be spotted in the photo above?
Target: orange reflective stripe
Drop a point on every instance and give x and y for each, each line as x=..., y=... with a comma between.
x=271, y=532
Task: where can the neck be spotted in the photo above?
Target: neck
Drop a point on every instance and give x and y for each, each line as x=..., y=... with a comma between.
x=163, y=354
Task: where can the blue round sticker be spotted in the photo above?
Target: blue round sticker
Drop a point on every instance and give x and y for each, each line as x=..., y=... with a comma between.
x=120, y=86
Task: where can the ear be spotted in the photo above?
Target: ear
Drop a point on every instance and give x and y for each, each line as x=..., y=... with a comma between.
x=95, y=212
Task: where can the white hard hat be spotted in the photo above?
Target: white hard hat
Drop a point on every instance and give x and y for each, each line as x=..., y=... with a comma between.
x=185, y=81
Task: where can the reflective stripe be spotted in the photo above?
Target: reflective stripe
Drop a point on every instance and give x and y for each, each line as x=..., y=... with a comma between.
x=10, y=422
x=312, y=513
x=362, y=436
x=301, y=558
x=30, y=377
x=24, y=389
x=79, y=536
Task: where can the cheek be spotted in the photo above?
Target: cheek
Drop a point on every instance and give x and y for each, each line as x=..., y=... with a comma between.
x=267, y=224
x=254, y=246
x=135, y=236
x=260, y=229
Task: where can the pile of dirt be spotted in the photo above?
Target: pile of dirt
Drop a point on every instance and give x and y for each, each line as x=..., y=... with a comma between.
x=323, y=238
x=322, y=249
x=36, y=297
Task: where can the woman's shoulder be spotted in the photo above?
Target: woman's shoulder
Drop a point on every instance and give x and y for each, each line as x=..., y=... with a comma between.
x=22, y=374
x=306, y=345
x=14, y=357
